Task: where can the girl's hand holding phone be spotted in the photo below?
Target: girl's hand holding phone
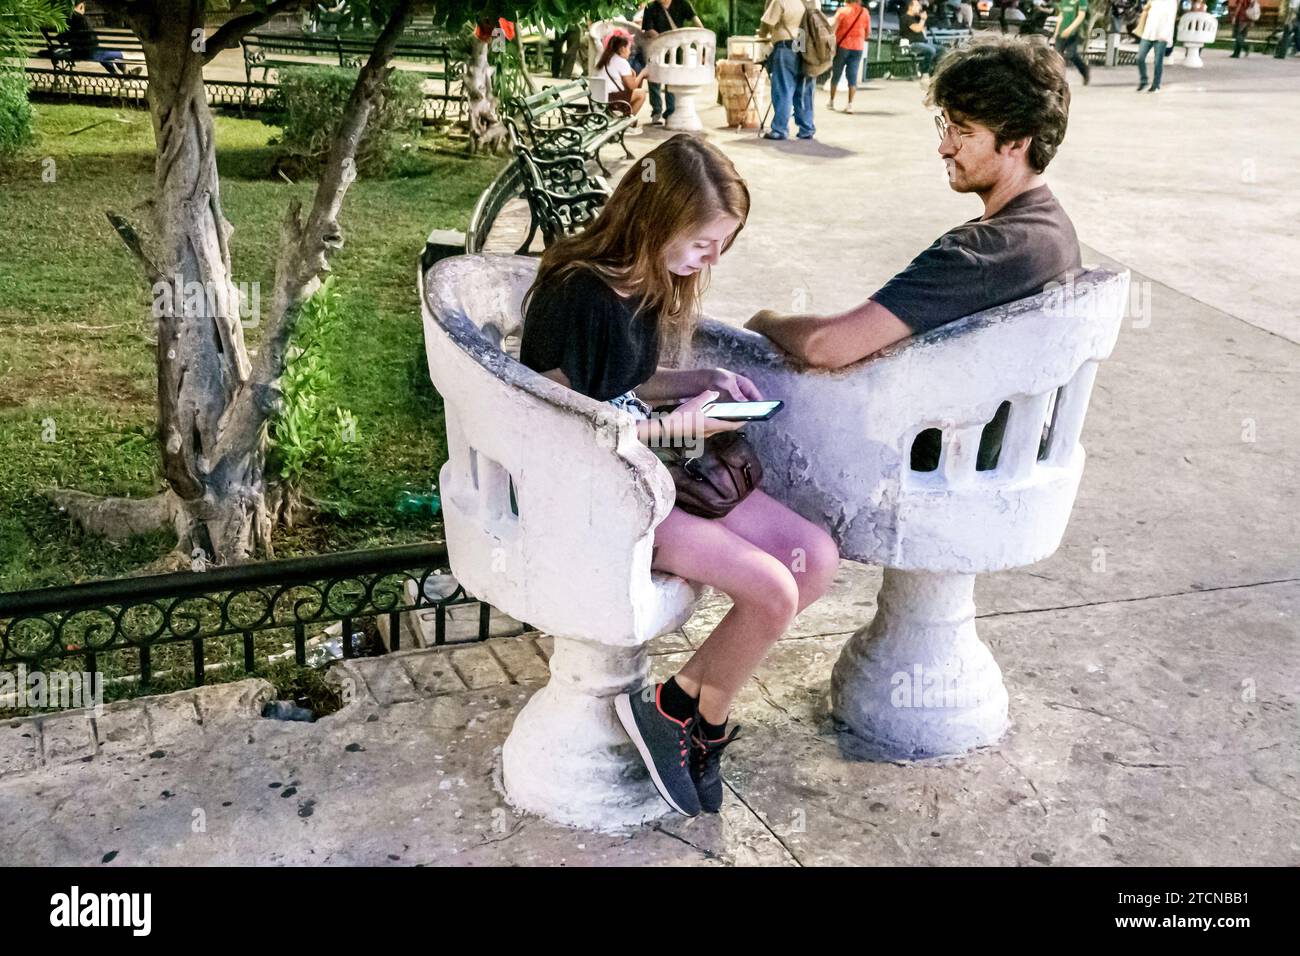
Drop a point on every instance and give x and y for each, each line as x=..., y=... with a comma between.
x=688, y=420
x=733, y=387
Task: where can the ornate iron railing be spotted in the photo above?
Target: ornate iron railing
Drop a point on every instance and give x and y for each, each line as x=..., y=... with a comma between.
x=140, y=614
x=236, y=94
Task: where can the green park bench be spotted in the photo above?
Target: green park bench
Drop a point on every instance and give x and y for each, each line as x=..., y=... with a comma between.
x=562, y=198
x=563, y=120
x=44, y=45
x=270, y=51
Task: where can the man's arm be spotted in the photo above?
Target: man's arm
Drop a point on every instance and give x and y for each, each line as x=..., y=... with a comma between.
x=833, y=341
x=690, y=17
x=771, y=17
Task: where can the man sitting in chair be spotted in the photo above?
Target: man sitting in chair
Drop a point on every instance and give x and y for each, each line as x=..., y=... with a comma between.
x=1004, y=111
x=1004, y=107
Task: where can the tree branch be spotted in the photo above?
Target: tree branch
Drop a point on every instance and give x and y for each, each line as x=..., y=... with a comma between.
x=232, y=31
x=307, y=247
x=132, y=239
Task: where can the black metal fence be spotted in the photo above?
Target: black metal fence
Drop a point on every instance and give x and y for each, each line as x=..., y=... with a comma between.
x=138, y=615
x=93, y=85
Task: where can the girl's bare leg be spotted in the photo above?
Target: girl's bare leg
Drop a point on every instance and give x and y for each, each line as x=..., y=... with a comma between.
x=769, y=561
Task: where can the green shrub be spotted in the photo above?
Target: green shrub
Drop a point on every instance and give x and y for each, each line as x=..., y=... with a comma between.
x=308, y=435
x=15, y=112
x=309, y=104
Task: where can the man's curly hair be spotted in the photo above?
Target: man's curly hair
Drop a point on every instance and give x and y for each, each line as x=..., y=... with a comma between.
x=1016, y=89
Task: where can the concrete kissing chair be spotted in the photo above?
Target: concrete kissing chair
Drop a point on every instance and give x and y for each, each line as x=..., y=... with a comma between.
x=917, y=681
x=550, y=504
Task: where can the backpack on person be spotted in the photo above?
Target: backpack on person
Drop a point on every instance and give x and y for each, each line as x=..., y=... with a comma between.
x=818, y=40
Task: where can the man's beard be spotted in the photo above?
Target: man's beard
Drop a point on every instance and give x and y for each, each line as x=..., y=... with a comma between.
x=961, y=180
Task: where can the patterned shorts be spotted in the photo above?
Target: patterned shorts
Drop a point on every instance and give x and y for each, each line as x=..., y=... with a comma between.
x=629, y=403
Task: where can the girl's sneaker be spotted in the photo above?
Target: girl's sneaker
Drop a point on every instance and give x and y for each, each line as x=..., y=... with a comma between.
x=664, y=744
x=706, y=770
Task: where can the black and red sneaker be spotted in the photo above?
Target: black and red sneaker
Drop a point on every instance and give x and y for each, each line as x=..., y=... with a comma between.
x=664, y=744
x=706, y=769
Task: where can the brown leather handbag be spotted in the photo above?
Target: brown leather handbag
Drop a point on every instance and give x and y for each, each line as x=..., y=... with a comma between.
x=713, y=482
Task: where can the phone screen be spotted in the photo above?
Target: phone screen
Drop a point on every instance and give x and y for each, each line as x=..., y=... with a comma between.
x=741, y=411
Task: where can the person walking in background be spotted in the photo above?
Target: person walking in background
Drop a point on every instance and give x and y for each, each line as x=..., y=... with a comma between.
x=659, y=17
x=1035, y=17
x=1244, y=14
x=966, y=14
x=1155, y=28
x=1071, y=15
x=852, y=26
x=564, y=51
x=791, y=90
x=1290, y=17
x=911, y=27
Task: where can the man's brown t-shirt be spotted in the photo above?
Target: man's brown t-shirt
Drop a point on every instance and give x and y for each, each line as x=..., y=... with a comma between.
x=1015, y=253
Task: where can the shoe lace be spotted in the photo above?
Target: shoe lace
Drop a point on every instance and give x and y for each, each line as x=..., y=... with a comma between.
x=705, y=754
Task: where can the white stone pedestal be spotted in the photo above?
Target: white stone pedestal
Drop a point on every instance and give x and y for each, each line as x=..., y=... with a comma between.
x=568, y=758
x=918, y=681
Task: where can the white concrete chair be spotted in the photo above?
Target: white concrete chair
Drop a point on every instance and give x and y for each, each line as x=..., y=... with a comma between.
x=917, y=680
x=550, y=504
x=683, y=61
x=1196, y=30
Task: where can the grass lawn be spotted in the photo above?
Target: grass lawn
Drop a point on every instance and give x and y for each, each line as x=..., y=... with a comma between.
x=77, y=378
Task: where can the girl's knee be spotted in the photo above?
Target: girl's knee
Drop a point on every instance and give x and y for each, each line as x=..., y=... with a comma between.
x=772, y=593
x=815, y=561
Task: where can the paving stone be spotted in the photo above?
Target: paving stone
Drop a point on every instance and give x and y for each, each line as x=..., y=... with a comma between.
x=523, y=662
x=67, y=737
x=240, y=700
x=122, y=726
x=432, y=673
x=478, y=668
x=387, y=680
x=20, y=746
x=171, y=716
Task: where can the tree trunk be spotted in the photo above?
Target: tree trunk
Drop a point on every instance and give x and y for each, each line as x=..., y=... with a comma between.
x=486, y=131
x=213, y=404
x=202, y=362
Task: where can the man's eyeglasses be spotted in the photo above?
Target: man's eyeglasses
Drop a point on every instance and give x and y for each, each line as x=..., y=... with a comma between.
x=945, y=128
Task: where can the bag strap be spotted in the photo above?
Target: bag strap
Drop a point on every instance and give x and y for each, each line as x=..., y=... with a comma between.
x=861, y=10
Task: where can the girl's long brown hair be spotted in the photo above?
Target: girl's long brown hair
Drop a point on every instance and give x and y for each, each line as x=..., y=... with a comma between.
x=680, y=185
x=616, y=42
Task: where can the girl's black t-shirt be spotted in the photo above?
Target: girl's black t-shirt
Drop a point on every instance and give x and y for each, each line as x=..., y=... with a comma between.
x=584, y=328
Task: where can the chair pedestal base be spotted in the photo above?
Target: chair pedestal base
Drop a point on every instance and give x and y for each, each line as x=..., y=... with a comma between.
x=684, y=117
x=917, y=681
x=568, y=758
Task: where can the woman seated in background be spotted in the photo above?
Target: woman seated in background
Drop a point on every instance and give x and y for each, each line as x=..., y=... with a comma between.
x=625, y=90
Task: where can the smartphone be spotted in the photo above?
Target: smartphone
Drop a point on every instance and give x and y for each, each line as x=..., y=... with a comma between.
x=742, y=411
